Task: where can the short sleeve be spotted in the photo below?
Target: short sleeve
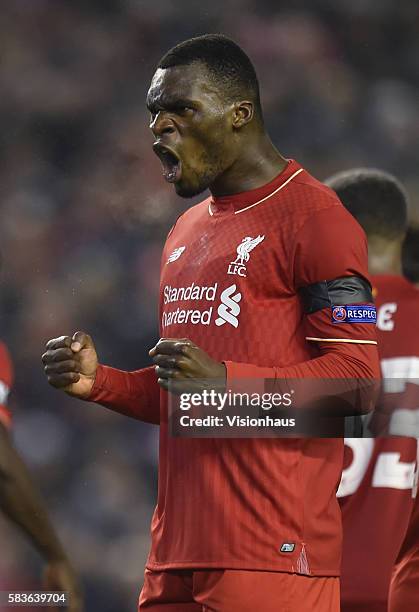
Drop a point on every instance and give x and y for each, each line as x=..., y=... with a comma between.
x=331, y=244
x=331, y=258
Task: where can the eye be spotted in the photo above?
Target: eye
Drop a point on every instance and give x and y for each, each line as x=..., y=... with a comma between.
x=185, y=110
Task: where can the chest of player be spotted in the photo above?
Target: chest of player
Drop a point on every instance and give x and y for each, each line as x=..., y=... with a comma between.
x=225, y=274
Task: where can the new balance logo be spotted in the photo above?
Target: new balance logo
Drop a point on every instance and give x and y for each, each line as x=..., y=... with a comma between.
x=176, y=254
x=229, y=309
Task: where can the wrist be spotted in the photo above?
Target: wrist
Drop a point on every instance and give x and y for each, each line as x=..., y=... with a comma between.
x=96, y=383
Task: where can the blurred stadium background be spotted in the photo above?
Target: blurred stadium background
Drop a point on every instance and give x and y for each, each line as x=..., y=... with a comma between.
x=85, y=213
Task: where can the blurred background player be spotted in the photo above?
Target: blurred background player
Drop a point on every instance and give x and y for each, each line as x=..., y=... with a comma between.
x=404, y=588
x=410, y=255
x=376, y=487
x=21, y=502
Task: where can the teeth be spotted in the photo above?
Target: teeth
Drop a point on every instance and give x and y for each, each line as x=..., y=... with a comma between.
x=170, y=164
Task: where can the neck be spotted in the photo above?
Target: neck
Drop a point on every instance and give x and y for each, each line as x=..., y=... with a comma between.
x=384, y=257
x=259, y=163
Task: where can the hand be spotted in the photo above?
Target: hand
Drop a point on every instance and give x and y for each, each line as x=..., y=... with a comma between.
x=60, y=576
x=183, y=366
x=70, y=364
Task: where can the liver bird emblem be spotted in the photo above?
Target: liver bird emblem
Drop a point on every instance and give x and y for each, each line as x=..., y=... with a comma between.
x=244, y=248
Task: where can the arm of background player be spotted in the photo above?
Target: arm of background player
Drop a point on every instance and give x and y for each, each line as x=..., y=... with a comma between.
x=135, y=394
x=22, y=504
x=330, y=246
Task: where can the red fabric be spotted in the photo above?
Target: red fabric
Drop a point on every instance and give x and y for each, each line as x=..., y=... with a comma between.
x=237, y=591
x=231, y=503
x=376, y=488
x=6, y=381
x=135, y=394
x=404, y=592
x=329, y=245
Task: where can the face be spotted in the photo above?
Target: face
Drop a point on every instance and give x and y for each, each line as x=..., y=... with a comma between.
x=190, y=123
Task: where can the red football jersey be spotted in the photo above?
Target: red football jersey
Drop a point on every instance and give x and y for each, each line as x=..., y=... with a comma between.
x=404, y=591
x=231, y=272
x=376, y=487
x=6, y=379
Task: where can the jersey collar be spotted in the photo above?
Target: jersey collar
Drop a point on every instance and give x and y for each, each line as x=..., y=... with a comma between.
x=240, y=202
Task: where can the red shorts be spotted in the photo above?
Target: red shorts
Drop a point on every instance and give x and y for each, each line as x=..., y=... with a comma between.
x=237, y=591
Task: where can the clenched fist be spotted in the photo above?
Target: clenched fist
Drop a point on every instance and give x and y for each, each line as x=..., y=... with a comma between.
x=70, y=364
x=182, y=366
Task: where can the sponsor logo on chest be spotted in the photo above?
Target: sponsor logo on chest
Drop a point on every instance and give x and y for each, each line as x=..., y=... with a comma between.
x=212, y=304
x=228, y=308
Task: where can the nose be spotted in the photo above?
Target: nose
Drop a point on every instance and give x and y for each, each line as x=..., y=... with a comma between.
x=161, y=125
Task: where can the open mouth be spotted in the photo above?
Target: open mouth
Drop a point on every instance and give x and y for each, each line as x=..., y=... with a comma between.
x=172, y=166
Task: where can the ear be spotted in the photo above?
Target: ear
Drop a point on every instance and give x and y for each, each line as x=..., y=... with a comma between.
x=242, y=113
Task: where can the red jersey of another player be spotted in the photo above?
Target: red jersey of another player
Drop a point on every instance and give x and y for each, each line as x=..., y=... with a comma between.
x=404, y=592
x=232, y=270
x=6, y=379
x=376, y=486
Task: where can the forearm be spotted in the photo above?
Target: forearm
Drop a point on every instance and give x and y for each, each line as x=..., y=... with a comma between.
x=353, y=363
x=134, y=394
x=22, y=502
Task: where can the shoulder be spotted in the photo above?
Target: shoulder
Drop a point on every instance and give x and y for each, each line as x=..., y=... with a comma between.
x=310, y=196
x=180, y=232
x=191, y=215
x=327, y=241
x=396, y=289
x=311, y=207
x=323, y=220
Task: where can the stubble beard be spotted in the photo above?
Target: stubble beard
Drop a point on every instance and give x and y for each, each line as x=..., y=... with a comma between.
x=213, y=169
